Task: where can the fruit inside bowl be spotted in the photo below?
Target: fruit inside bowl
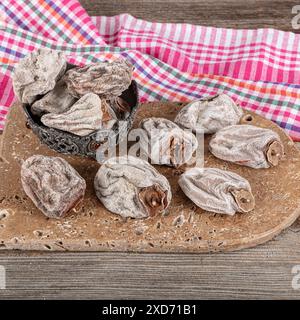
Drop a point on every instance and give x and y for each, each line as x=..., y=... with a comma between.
x=72, y=109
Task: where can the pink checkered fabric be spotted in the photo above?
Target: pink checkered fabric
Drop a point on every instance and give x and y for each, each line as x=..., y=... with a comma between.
x=259, y=55
x=177, y=62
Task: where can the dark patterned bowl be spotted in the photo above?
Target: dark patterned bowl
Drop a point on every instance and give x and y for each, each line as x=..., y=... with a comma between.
x=69, y=143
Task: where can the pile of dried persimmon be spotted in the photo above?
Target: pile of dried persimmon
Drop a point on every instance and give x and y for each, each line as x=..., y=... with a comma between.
x=84, y=99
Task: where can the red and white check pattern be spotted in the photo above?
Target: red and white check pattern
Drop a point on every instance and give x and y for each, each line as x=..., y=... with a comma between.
x=263, y=54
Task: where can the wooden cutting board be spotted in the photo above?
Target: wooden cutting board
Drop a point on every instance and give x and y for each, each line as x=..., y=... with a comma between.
x=185, y=228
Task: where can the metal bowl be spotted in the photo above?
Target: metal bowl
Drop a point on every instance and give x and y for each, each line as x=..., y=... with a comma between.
x=69, y=143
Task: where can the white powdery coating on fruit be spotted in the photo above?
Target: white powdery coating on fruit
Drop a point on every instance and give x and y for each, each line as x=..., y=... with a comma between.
x=52, y=184
x=160, y=134
x=209, y=189
x=57, y=101
x=119, y=181
x=209, y=115
x=243, y=144
x=83, y=118
x=103, y=78
x=37, y=74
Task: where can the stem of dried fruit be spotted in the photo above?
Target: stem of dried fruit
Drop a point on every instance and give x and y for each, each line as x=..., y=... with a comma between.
x=274, y=153
x=154, y=199
x=244, y=199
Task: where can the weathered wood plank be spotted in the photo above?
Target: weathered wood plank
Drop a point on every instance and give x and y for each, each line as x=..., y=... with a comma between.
x=262, y=272
x=227, y=13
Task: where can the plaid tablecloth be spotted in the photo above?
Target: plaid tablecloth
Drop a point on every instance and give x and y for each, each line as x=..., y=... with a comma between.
x=179, y=62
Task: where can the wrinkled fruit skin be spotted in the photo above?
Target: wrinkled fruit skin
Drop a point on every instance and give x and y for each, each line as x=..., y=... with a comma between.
x=104, y=79
x=83, y=118
x=131, y=187
x=247, y=145
x=210, y=114
x=52, y=184
x=37, y=74
x=167, y=144
x=216, y=190
x=57, y=101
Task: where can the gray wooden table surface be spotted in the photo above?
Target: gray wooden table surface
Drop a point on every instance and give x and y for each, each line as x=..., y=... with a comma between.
x=261, y=272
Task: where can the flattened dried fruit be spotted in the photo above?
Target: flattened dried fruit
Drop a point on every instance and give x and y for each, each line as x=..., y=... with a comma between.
x=247, y=145
x=103, y=78
x=52, y=184
x=131, y=187
x=165, y=143
x=217, y=190
x=57, y=100
x=37, y=74
x=210, y=114
x=83, y=118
